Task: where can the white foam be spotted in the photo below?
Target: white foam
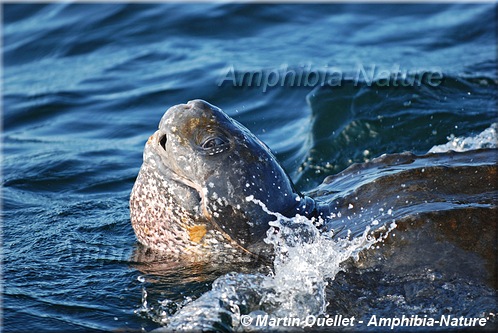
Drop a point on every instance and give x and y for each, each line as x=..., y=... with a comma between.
x=486, y=139
x=306, y=260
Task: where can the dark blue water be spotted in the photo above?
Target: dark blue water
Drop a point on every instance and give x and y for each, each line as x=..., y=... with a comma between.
x=84, y=85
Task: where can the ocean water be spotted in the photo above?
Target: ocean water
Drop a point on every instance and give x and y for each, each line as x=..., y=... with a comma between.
x=85, y=85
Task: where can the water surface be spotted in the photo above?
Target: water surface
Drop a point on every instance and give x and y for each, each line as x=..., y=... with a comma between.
x=84, y=85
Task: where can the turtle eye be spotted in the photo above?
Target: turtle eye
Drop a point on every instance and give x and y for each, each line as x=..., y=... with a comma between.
x=162, y=141
x=213, y=142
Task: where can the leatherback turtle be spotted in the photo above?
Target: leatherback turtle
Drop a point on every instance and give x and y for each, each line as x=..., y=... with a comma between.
x=208, y=184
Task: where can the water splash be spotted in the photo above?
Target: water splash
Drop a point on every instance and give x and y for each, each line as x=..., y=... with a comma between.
x=306, y=261
x=486, y=139
x=306, y=264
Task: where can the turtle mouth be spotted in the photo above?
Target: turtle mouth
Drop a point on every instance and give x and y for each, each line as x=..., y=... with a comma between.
x=162, y=141
x=155, y=150
x=157, y=143
x=157, y=154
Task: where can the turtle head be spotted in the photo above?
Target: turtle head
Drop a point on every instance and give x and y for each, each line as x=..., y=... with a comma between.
x=218, y=174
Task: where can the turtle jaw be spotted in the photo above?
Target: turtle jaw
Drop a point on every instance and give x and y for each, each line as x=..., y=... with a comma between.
x=211, y=183
x=189, y=196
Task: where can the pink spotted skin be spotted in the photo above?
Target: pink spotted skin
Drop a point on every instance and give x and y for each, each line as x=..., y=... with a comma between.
x=202, y=185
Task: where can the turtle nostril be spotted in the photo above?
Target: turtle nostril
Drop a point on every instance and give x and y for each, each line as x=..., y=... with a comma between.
x=162, y=141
